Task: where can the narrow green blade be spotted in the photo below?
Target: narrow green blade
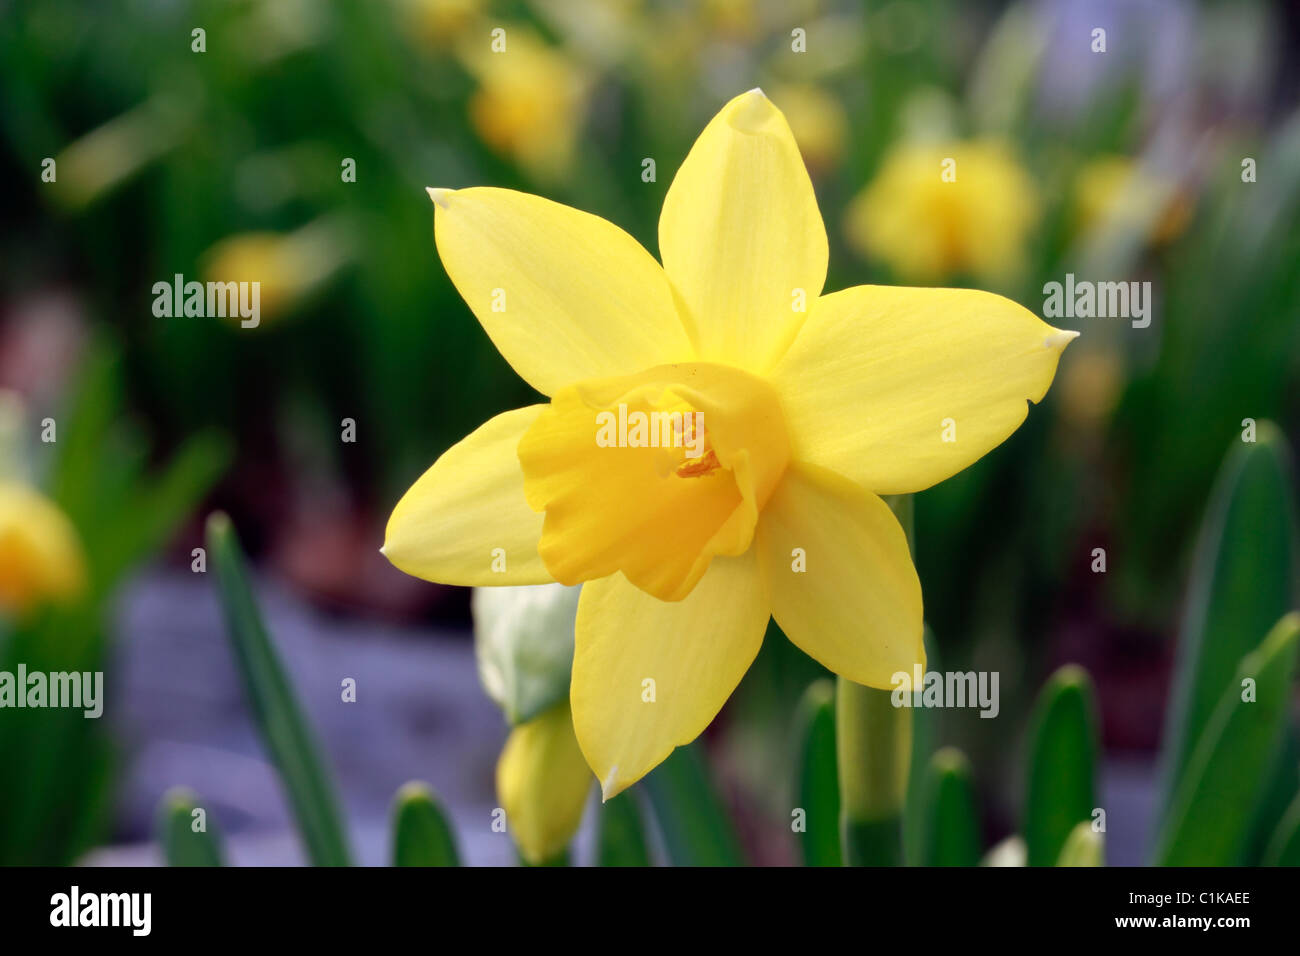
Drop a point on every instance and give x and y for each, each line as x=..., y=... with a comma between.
x=422, y=836
x=620, y=838
x=952, y=828
x=187, y=833
x=1211, y=815
x=818, y=790
x=1083, y=847
x=695, y=828
x=1062, y=760
x=1243, y=580
x=1284, y=848
x=925, y=737
x=284, y=728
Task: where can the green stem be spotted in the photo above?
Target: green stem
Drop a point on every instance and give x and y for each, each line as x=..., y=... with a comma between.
x=873, y=741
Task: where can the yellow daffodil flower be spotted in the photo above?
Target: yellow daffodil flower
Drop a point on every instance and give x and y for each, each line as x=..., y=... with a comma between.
x=818, y=122
x=1091, y=387
x=40, y=554
x=543, y=783
x=436, y=22
x=1117, y=191
x=936, y=210
x=286, y=266
x=530, y=102
x=797, y=410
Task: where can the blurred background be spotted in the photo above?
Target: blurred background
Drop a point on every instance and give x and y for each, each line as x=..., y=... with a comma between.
x=1124, y=163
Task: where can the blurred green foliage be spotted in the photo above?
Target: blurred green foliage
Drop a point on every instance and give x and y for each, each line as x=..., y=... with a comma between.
x=164, y=153
x=124, y=510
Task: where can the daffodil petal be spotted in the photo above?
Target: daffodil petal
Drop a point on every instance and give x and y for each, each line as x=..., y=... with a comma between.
x=741, y=236
x=564, y=295
x=466, y=521
x=899, y=388
x=839, y=576
x=543, y=784
x=650, y=675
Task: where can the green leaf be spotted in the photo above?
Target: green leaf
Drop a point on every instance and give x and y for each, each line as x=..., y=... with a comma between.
x=182, y=844
x=100, y=474
x=1243, y=580
x=952, y=833
x=1284, y=848
x=695, y=828
x=421, y=834
x=523, y=640
x=818, y=788
x=1083, y=847
x=1211, y=814
x=1062, y=758
x=925, y=734
x=284, y=728
x=620, y=837
x=159, y=504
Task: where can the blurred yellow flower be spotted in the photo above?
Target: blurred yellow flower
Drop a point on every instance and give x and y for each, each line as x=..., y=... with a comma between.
x=287, y=266
x=1116, y=190
x=1090, y=388
x=41, y=558
x=530, y=102
x=439, y=23
x=818, y=122
x=935, y=211
x=543, y=783
x=782, y=414
x=737, y=19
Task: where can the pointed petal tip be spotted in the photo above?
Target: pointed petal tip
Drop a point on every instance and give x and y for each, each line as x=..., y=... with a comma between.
x=609, y=787
x=1060, y=338
x=751, y=111
x=440, y=197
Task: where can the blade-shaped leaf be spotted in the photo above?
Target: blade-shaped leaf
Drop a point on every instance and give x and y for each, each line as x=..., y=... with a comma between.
x=1243, y=580
x=1062, y=761
x=1083, y=847
x=1211, y=814
x=952, y=831
x=284, y=728
x=925, y=734
x=187, y=832
x=620, y=837
x=421, y=834
x=1284, y=848
x=818, y=789
x=695, y=828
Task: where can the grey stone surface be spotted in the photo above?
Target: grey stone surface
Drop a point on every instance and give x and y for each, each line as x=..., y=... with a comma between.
x=178, y=711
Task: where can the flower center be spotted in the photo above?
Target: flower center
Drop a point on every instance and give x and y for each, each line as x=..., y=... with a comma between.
x=653, y=474
x=696, y=434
